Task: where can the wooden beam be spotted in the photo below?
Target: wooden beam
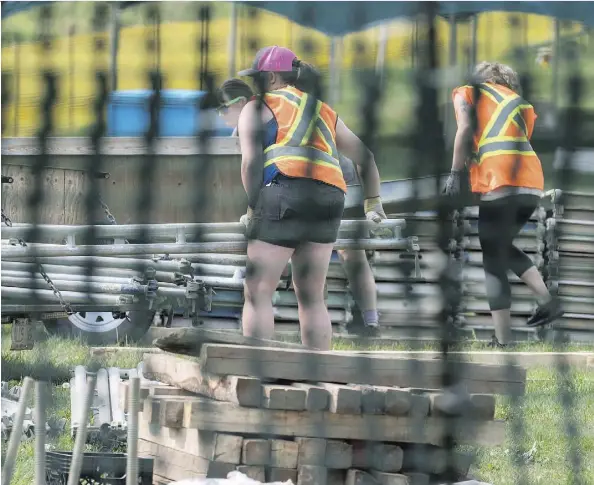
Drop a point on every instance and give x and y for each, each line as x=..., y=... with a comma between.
x=187, y=374
x=283, y=397
x=283, y=454
x=312, y=475
x=317, y=398
x=378, y=456
x=225, y=417
x=300, y=365
x=256, y=452
x=190, y=340
x=312, y=451
x=205, y=444
x=176, y=465
x=343, y=399
x=359, y=477
x=339, y=455
x=257, y=473
x=280, y=475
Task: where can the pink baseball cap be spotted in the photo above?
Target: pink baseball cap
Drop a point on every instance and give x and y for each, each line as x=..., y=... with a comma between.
x=271, y=59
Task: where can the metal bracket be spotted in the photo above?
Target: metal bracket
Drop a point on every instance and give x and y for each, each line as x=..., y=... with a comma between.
x=206, y=294
x=7, y=179
x=413, y=243
x=22, y=335
x=180, y=279
x=185, y=267
x=150, y=292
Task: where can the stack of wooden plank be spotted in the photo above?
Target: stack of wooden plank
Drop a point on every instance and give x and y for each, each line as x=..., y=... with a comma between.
x=314, y=417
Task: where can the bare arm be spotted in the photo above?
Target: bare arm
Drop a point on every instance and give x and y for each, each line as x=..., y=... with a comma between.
x=252, y=167
x=352, y=147
x=462, y=142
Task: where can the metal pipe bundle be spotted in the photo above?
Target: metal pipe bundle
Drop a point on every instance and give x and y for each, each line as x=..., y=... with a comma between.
x=181, y=232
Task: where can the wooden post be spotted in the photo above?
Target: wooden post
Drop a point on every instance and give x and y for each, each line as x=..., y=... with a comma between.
x=232, y=45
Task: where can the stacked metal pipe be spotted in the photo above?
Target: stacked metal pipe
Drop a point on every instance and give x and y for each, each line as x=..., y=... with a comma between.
x=475, y=315
x=569, y=261
x=199, y=275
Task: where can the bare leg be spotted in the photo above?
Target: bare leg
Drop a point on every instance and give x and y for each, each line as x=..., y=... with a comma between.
x=361, y=281
x=502, y=324
x=310, y=267
x=533, y=279
x=265, y=265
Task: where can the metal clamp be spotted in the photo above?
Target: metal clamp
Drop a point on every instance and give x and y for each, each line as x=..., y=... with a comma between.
x=150, y=273
x=7, y=179
x=5, y=219
x=206, y=294
x=413, y=243
x=150, y=292
x=192, y=294
x=126, y=299
x=185, y=267
x=181, y=279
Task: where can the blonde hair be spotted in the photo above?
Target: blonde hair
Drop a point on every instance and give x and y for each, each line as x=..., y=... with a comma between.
x=496, y=73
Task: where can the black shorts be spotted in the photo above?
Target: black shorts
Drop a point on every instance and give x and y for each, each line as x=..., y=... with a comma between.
x=292, y=211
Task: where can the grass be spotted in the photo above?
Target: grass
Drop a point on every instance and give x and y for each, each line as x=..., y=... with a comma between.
x=546, y=442
x=543, y=415
x=53, y=358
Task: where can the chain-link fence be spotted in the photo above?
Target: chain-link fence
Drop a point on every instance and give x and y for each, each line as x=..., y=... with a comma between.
x=114, y=239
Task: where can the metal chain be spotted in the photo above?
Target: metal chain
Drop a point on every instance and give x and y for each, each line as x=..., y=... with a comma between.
x=108, y=213
x=63, y=303
x=5, y=219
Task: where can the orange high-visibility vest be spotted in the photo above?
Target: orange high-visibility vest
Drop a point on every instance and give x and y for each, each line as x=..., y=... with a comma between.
x=503, y=155
x=305, y=144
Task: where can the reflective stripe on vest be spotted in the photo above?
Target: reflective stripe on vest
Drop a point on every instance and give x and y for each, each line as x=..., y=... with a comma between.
x=496, y=97
x=493, y=141
x=294, y=144
x=303, y=153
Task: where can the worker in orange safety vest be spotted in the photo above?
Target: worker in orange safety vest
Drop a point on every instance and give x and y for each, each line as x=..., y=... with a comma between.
x=233, y=95
x=506, y=173
x=296, y=191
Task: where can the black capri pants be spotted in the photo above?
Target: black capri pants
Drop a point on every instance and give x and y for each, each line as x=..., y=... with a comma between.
x=499, y=223
x=291, y=211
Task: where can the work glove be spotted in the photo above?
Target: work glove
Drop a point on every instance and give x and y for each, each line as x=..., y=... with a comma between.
x=453, y=186
x=247, y=217
x=374, y=212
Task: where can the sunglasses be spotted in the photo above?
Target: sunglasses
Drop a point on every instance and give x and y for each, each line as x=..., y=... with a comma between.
x=224, y=107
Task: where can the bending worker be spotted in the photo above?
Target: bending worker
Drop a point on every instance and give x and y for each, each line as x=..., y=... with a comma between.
x=506, y=172
x=233, y=96
x=296, y=193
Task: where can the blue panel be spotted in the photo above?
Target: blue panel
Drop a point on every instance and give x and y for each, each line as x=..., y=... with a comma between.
x=128, y=113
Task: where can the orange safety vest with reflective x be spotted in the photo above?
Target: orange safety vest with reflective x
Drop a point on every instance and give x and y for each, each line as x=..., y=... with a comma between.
x=503, y=155
x=305, y=144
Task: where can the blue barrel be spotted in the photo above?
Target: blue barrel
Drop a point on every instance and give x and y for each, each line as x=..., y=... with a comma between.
x=128, y=113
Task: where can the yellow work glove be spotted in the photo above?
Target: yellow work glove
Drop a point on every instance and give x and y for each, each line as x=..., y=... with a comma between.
x=247, y=217
x=374, y=212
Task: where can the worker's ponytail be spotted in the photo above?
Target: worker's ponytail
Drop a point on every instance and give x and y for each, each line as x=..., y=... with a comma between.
x=309, y=79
